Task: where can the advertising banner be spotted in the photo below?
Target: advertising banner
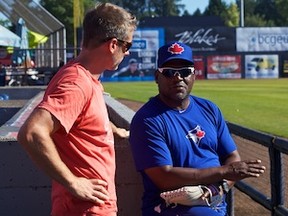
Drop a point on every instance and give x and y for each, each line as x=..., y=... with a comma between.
x=224, y=67
x=262, y=39
x=285, y=66
x=261, y=66
x=204, y=39
x=284, y=63
x=141, y=63
x=199, y=67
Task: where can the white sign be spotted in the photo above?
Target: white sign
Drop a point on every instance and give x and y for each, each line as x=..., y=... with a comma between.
x=261, y=66
x=147, y=39
x=261, y=39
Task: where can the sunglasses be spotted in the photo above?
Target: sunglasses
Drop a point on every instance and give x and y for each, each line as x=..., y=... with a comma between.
x=127, y=45
x=172, y=72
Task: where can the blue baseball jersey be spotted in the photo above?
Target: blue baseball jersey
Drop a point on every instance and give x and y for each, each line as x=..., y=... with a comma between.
x=197, y=137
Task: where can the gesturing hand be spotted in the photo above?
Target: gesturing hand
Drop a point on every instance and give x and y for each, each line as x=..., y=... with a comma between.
x=93, y=190
x=122, y=133
x=244, y=169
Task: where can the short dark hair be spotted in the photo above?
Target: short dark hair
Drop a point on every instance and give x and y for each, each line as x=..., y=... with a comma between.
x=104, y=21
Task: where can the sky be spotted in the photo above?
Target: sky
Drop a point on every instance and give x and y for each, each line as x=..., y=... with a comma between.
x=192, y=5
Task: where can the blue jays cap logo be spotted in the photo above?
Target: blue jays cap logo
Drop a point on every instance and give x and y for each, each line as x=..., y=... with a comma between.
x=176, y=49
x=196, y=134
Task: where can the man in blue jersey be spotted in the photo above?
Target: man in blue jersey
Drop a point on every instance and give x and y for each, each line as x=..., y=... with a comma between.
x=178, y=140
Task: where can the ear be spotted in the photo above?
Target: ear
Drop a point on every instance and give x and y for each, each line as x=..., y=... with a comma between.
x=156, y=75
x=194, y=76
x=113, y=45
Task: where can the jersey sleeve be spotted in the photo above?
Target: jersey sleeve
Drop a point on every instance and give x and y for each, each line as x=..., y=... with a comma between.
x=226, y=144
x=148, y=145
x=66, y=98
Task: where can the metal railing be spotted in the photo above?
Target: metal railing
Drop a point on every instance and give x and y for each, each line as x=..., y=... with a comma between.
x=277, y=149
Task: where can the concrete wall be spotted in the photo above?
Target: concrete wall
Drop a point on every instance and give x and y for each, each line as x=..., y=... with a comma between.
x=25, y=190
x=128, y=181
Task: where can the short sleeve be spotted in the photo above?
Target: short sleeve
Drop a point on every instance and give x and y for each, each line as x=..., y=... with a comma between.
x=148, y=145
x=225, y=140
x=66, y=99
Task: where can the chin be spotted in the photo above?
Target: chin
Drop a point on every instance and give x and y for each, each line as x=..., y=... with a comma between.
x=112, y=68
x=115, y=67
x=181, y=96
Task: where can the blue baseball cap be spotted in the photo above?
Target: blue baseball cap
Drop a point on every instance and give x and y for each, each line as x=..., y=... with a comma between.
x=174, y=50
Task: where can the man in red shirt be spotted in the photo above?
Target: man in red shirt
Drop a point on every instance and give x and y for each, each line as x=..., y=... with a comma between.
x=69, y=134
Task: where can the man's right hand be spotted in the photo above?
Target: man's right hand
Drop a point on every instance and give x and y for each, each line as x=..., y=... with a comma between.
x=243, y=169
x=93, y=190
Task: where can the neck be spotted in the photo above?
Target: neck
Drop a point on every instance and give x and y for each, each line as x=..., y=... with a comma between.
x=179, y=104
x=87, y=59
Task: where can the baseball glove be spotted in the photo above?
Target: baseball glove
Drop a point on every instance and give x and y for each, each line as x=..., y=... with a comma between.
x=191, y=196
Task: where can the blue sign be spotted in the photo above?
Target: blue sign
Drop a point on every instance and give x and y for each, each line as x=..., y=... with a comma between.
x=139, y=44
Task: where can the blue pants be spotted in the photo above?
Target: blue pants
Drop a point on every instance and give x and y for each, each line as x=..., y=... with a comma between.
x=181, y=210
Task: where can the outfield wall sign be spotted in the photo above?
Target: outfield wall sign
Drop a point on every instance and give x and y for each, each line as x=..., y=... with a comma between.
x=224, y=67
x=204, y=39
x=141, y=63
x=261, y=66
x=199, y=66
x=261, y=39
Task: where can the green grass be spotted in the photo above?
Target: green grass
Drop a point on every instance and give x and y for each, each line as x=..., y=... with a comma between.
x=257, y=104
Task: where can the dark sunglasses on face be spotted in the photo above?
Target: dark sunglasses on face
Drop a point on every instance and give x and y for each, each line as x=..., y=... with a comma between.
x=172, y=72
x=127, y=45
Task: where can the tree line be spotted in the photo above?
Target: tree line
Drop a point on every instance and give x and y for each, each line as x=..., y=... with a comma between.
x=257, y=13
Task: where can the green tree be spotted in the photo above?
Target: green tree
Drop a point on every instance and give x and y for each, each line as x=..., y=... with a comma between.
x=216, y=8
x=267, y=9
x=186, y=13
x=257, y=13
x=197, y=12
x=166, y=7
x=255, y=16
x=228, y=13
x=151, y=8
x=249, y=6
x=63, y=11
x=233, y=16
x=257, y=20
x=282, y=9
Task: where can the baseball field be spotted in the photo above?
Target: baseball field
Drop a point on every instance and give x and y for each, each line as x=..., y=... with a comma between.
x=260, y=104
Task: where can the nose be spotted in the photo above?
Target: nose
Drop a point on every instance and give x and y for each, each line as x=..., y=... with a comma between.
x=177, y=75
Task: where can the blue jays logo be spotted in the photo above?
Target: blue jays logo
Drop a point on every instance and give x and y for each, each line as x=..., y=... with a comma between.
x=175, y=48
x=196, y=134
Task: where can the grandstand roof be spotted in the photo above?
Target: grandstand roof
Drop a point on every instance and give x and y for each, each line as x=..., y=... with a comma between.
x=37, y=18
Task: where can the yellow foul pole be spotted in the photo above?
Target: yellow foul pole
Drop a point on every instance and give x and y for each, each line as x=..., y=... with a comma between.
x=78, y=10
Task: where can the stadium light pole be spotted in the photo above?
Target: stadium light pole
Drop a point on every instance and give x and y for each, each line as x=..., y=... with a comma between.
x=242, y=13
